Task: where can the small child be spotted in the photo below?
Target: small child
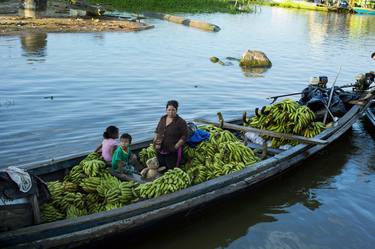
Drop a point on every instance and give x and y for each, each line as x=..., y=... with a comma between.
x=122, y=156
x=109, y=143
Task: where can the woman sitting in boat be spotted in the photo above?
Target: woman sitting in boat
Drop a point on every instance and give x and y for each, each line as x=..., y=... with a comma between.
x=109, y=143
x=170, y=135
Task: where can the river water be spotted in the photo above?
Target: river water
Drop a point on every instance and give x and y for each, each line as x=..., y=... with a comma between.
x=58, y=92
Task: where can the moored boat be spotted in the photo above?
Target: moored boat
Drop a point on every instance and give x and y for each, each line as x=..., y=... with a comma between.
x=81, y=230
x=367, y=11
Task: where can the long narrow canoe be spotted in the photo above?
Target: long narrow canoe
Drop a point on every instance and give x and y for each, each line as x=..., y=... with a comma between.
x=86, y=229
x=370, y=113
x=364, y=11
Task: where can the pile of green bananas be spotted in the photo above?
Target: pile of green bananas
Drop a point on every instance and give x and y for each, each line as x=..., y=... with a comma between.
x=73, y=212
x=115, y=191
x=146, y=154
x=87, y=188
x=93, y=167
x=172, y=181
x=286, y=116
x=222, y=154
x=49, y=213
x=90, y=184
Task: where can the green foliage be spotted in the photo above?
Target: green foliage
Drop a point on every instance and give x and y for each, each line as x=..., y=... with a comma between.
x=170, y=6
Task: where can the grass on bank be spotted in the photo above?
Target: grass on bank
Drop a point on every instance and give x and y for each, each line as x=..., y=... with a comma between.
x=293, y=5
x=171, y=6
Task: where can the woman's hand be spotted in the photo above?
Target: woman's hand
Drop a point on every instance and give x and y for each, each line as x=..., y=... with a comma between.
x=157, y=146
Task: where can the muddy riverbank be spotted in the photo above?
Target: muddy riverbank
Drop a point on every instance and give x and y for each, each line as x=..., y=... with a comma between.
x=14, y=20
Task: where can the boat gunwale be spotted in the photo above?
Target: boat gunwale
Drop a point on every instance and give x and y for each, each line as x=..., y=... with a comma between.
x=370, y=112
x=149, y=205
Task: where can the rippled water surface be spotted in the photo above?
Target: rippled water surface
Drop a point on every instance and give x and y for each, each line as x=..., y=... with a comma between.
x=58, y=92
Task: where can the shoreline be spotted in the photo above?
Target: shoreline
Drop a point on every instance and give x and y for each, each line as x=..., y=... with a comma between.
x=57, y=19
x=13, y=25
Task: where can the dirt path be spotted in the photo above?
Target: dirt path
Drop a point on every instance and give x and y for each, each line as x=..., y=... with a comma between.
x=56, y=19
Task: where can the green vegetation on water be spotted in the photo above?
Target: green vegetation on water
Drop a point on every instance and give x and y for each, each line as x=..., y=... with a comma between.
x=171, y=6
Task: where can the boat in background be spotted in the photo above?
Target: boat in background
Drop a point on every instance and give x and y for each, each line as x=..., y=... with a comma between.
x=367, y=11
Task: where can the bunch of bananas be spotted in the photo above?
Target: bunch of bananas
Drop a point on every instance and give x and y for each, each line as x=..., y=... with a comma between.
x=95, y=203
x=70, y=186
x=93, y=167
x=146, y=154
x=75, y=199
x=222, y=154
x=49, y=213
x=197, y=172
x=75, y=175
x=56, y=189
x=220, y=136
x=237, y=152
x=116, y=192
x=172, y=181
x=92, y=156
x=313, y=129
x=286, y=116
x=127, y=193
x=90, y=184
x=74, y=212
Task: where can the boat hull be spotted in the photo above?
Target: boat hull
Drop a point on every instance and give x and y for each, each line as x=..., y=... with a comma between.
x=370, y=113
x=86, y=229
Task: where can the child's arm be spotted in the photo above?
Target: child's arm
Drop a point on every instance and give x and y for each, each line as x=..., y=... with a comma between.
x=120, y=166
x=113, y=149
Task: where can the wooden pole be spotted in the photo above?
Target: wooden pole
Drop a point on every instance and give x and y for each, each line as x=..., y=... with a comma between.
x=300, y=139
x=36, y=210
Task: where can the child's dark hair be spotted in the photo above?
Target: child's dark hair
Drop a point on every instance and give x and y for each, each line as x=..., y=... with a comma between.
x=127, y=136
x=111, y=132
x=372, y=55
x=173, y=103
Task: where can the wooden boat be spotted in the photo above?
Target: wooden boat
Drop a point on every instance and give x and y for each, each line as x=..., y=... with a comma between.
x=370, y=113
x=86, y=229
x=367, y=11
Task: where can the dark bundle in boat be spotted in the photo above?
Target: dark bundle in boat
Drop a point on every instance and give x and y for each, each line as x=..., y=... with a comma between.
x=138, y=210
x=317, y=96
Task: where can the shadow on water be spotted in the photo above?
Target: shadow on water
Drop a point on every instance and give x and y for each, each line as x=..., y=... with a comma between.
x=221, y=222
x=34, y=46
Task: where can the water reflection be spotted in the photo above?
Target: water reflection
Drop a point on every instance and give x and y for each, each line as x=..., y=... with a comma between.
x=34, y=46
x=323, y=24
x=253, y=71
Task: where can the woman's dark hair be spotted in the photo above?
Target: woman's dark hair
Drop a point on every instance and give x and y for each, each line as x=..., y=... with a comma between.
x=126, y=136
x=372, y=55
x=173, y=103
x=111, y=132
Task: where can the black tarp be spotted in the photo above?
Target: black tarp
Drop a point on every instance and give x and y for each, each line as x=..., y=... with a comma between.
x=316, y=98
